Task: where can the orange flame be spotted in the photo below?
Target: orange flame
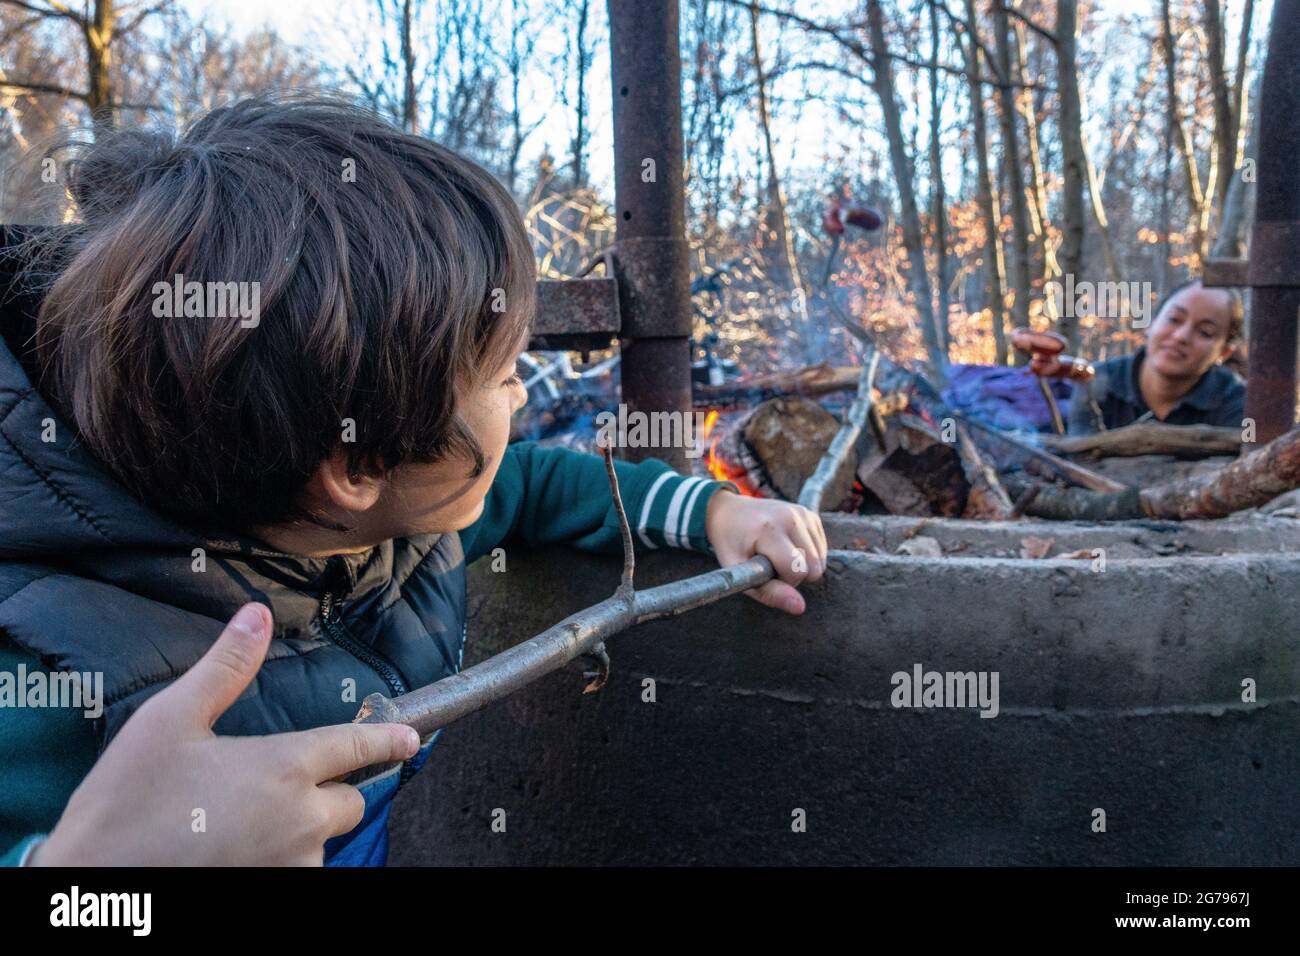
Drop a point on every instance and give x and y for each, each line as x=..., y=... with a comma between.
x=718, y=468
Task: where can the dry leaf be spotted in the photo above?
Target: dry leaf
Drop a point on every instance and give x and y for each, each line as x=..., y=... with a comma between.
x=1031, y=547
x=921, y=547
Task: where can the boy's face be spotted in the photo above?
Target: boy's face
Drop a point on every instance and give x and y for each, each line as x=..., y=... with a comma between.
x=430, y=498
x=414, y=498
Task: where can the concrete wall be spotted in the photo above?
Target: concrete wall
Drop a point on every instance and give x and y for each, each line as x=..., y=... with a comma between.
x=1119, y=690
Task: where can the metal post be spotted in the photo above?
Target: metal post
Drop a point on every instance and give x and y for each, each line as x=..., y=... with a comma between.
x=652, y=258
x=1275, y=305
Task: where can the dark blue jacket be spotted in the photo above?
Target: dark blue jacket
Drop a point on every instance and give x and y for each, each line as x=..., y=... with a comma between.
x=1219, y=398
x=94, y=580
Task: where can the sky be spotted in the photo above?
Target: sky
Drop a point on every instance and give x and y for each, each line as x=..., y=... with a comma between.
x=801, y=121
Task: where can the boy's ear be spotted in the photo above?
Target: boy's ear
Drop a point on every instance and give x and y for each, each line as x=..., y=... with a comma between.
x=333, y=486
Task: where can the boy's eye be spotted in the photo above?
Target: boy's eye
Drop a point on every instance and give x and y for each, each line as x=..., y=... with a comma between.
x=513, y=380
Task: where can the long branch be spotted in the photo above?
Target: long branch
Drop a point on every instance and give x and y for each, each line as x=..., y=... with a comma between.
x=438, y=704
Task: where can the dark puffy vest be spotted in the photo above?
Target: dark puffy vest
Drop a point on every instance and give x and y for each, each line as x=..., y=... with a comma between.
x=91, y=579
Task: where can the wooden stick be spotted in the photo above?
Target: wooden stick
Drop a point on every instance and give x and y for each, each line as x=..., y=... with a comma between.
x=438, y=704
x=1058, y=423
x=1152, y=438
x=811, y=380
x=987, y=498
x=1065, y=469
x=810, y=496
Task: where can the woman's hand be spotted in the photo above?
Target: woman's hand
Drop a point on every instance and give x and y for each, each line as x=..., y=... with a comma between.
x=167, y=791
x=788, y=535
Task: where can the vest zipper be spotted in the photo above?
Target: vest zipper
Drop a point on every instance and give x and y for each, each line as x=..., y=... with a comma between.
x=330, y=618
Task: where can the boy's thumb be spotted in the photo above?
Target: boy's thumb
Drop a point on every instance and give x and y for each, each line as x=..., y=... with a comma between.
x=220, y=676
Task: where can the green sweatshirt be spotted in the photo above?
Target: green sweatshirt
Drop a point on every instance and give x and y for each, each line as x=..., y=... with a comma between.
x=540, y=496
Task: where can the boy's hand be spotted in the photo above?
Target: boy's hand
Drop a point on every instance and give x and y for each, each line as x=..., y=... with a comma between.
x=788, y=535
x=264, y=800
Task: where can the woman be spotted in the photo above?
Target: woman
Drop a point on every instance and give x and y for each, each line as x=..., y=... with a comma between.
x=1178, y=376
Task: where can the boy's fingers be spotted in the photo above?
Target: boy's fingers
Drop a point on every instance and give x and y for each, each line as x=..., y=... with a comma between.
x=344, y=807
x=818, y=535
x=794, y=555
x=819, y=532
x=328, y=753
x=779, y=595
x=220, y=675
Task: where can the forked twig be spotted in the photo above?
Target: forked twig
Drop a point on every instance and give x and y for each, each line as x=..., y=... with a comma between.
x=436, y=705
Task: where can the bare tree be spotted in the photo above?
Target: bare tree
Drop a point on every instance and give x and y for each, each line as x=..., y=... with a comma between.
x=1229, y=240
x=1181, y=137
x=579, y=56
x=101, y=27
x=1019, y=265
x=985, y=186
x=913, y=241
x=780, y=260
x=523, y=41
x=938, y=194
x=1073, y=157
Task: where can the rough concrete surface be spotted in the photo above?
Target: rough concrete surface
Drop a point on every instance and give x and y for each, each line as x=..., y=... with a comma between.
x=1119, y=690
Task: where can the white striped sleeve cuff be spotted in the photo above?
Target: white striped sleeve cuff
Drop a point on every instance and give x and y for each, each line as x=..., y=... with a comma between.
x=673, y=510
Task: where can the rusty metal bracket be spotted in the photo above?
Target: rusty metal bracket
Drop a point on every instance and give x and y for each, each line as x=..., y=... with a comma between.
x=1225, y=273
x=576, y=314
x=652, y=281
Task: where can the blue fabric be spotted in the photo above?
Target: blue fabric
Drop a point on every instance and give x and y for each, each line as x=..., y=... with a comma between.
x=367, y=843
x=1007, y=398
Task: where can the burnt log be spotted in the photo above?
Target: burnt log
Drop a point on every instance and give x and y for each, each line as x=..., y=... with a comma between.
x=1249, y=482
x=917, y=473
x=1187, y=442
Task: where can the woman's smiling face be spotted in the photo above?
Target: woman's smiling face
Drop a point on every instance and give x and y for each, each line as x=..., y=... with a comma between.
x=1191, y=333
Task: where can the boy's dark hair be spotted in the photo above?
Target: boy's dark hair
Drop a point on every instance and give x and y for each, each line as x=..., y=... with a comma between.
x=392, y=273
x=1236, y=307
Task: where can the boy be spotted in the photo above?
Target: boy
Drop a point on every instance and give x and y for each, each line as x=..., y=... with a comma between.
x=321, y=462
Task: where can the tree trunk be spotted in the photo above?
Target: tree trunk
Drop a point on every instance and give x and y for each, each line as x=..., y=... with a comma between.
x=1230, y=240
x=1073, y=158
x=780, y=260
x=99, y=62
x=986, y=192
x=410, y=106
x=580, y=114
x=1019, y=265
x=938, y=196
x=1039, y=219
x=913, y=241
x=1225, y=133
x=1183, y=137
